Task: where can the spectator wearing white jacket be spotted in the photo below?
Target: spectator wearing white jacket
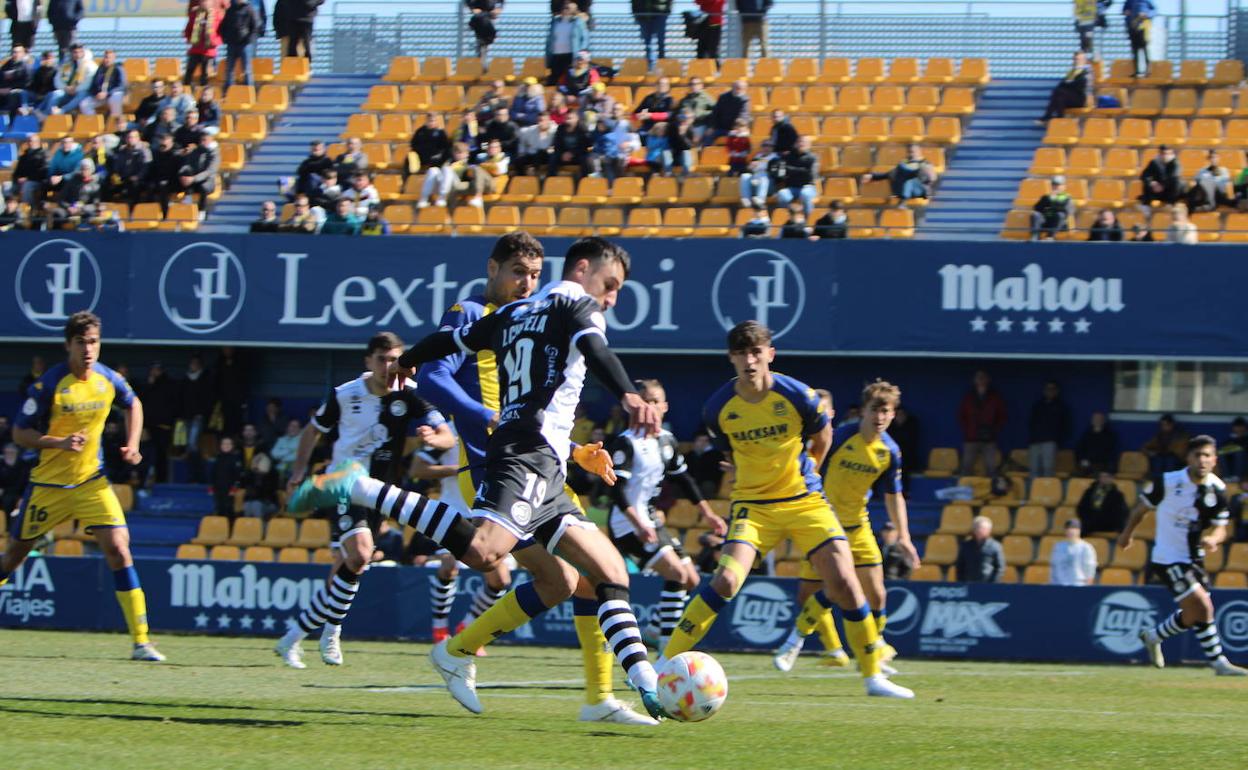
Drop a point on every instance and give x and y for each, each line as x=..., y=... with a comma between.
x=1073, y=562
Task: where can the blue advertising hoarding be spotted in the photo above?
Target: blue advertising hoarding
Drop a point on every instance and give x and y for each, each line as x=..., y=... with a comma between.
x=939, y=620
x=843, y=297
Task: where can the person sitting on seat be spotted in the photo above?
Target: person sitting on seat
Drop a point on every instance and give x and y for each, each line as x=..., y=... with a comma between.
x=1052, y=212
x=1073, y=91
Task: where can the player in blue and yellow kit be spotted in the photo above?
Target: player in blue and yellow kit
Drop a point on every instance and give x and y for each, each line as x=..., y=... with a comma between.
x=764, y=419
x=63, y=417
x=867, y=462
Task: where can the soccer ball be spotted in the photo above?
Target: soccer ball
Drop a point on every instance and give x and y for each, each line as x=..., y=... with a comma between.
x=692, y=687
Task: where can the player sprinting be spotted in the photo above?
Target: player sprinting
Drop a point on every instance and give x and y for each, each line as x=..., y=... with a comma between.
x=1187, y=502
x=642, y=462
x=869, y=460
x=545, y=344
x=369, y=422
x=63, y=417
x=762, y=418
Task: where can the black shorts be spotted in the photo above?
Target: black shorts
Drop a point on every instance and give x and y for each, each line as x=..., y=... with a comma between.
x=522, y=490
x=350, y=520
x=1181, y=578
x=645, y=554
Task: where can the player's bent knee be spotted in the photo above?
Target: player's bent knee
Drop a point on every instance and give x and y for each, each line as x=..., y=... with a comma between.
x=725, y=583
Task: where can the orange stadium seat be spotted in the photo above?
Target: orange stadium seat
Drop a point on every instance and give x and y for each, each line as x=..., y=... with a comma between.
x=938, y=71
x=573, y=222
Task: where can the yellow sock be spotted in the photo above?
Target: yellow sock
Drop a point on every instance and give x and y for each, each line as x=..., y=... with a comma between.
x=134, y=607
x=863, y=639
x=815, y=608
x=515, y=609
x=827, y=632
x=598, y=661
x=699, y=614
x=881, y=620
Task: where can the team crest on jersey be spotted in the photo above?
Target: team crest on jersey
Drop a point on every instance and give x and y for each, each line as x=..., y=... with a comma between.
x=100, y=387
x=398, y=408
x=881, y=455
x=344, y=522
x=780, y=408
x=521, y=512
x=732, y=416
x=618, y=458
x=667, y=452
x=30, y=407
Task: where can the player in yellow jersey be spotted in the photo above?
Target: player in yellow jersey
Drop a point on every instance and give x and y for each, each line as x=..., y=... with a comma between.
x=763, y=419
x=867, y=461
x=63, y=417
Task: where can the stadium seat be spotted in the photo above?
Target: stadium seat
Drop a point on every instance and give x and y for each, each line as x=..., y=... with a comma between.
x=67, y=548
x=430, y=221
x=1030, y=520
x=1019, y=550
x=238, y=99
x=973, y=72
x=712, y=160
x=1116, y=576
x=322, y=556
x=213, y=530
x=381, y=98
x=1160, y=73
x=1235, y=229
x=572, y=222
x=642, y=223
x=313, y=533
x=837, y=129
x=591, y=190
x=1134, y=558
x=887, y=99
x=468, y=70
x=250, y=128
x=558, y=189
x=942, y=462
x=402, y=69
x=1226, y=579
x=1134, y=132
x=181, y=217
x=855, y=99
x=281, y=532
x=956, y=101
x=940, y=550
x=660, y=191
x=538, y=220
x=870, y=70
x=1120, y=162
x=839, y=189
x=678, y=222
x=897, y=223
x=715, y=223
x=1237, y=558
x=1009, y=575
x=501, y=68
x=167, y=68
x=191, y=551
x=627, y=191
x=696, y=191
x=1132, y=465
x=1046, y=491
x=861, y=223
x=258, y=553
x=400, y=218
x=500, y=220
x=607, y=222
x=1101, y=546
x=246, y=531
x=1036, y=574
x=834, y=72
x=938, y=71
x=1044, y=552
x=818, y=99
x=944, y=130
x=1000, y=517
x=1017, y=225
x=467, y=220
x=801, y=71
x=292, y=555
x=225, y=553
x=928, y=573
x=903, y=71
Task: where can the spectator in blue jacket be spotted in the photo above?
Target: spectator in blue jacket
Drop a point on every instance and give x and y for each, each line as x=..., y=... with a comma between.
x=64, y=16
x=568, y=34
x=529, y=103
x=108, y=86
x=64, y=162
x=1138, y=15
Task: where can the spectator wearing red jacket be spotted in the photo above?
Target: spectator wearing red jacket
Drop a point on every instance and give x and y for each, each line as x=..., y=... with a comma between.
x=203, y=35
x=712, y=28
x=981, y=417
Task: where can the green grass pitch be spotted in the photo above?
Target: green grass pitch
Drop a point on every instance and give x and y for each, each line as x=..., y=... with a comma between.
x=73, y=700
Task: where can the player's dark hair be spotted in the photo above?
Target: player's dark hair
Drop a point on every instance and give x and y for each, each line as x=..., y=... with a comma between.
x=79, y=322
x=517, y=244
x=595, y=250
x=1200, y=442
x=749, y=334
x=383, y=341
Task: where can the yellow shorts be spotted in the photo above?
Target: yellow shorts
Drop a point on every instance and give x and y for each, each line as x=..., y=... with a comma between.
x=808, y=521
x=862, y=545
x=93, y=505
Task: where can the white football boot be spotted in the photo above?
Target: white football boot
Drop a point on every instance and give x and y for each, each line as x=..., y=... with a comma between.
x=460, y=675
x=148, y=652
x=331, y=645
x=878, y=686
x=287, y=648
x=616, y=711
x=1153, y=644
x=1223, y=667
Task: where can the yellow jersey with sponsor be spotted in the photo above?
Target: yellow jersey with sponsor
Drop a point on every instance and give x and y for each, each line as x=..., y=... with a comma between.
x=60, y=404
x=768, y=439
x=856, y=468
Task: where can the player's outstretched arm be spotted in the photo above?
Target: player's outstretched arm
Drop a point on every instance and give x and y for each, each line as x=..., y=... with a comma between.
x=1128, y=532
x=435, y=346
x=134, y=432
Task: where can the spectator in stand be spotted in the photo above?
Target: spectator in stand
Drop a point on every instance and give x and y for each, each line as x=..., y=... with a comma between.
x=580, y=77
x=1103, y=508
x=15, y=74
x=353, y=160
x=651, y=16
x=834, y=223
x=981, y=416
x=259, y=484
x=127, y=169
x=162, y=172
x=281, y=24
x=503, y=130
x=66, y=161
x=529, y=104
x=14, y=475
x=23, y=18
x=64, y=16
x=30, y=173
x=739, y=147
x=1073, y=91
x=37, y=367
x=161, y=395
x=1210, y=187
x=11, y=217
x=906, y=430
x=1087, y=19
x=613, y=147
x=203, y=36
x=1233, y=453
x=1167, y=448
x=1162, y=178
x=658, y=151
x=1073, y=562
x=796, y=227
x=1053, y=212
x=179, y=100
x=227, y=472
x=568, y=34
x=314, y=165
x=655, y=106
x=268, y=221
x=362, y=195
x=1138, y=15
x=74, y=83
x=697, y=103
x=190, y=134
x=149, y=107
x=980, y=558
x=286, y=447
x=165, y=124
x=558, y=108
x=711, y=29
x=571, y=146
x=108, y=86
x=731, y=106
x=272, y=424
x=896, y=561
x=374, y=223
x=801, y=169
x=301, y=220
x=198, y=174
x=783, y=135
x=1105, y=227
x=325, y=191
x=209, y=111
x=484, y=14
x=1097, y=448
x=451, y=176
x=470, y=131
x=680, y=142
x=596, y=100
x=704, y=465
x=78, y=197
x=342, y=221
x=535, y=146
x=494, y=97
x=302, y=15
x=241, y=27
x=489, y=165
x=430, y=145
x=758, y=225
x=1182, y=229
x=1047, y=428
x=389, y=545
x=753, y=15
x=40, y=90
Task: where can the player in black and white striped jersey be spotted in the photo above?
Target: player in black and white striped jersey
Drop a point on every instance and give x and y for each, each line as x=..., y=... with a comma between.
x=1192, y=516
x=370, y=422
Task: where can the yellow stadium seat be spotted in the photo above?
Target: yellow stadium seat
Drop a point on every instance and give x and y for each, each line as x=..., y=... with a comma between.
x=956, y=101
x=1134, y=558
x=322, y=556
x=414, y=98
x=856, y=99
x=627, y=191
x=1108, y=194
x=213, y=530
x=314, y=533
x=1048, y=161
x=767, y=71
x=556, y=189
x=727, y=191
x=1098, y=132
x=955, y=519
x=661, y=191
x=839, y=189
x=224, y=553
x=191, y=551
x=696, y=190
x=1075, y=489
x=903, y=71
x=1115, y=576
x=1044, y=552
x=1083, y=161
x=973, y=72
x=1121, y=162
x=672, y=68
x=394, y=127
x=238, y=99
x=941, y=550
x=1192, y=72
x=1121, y=73
x=381, y=98
x=263, y=70
x=468, y=70
x=861, y=223
x=246, y=531
x=1208, y=224
x=56, y=126
x=1031, y=520
x=1228, y=72
x=942, y=462
x=1226, y=579
x=1009, y=574
x=1000, y=517
x=1145, y=103
x=467, y=220
x=538, y=220
x=869, y=71
x=1036, y=574
x=944, y=130
x=1133, y=465
x=1170, y=131
x=1216, y=103
x=907, y=129
x=258, y=553
x=1134, y=132
x=361, y=125
x=1236, y=133
x=1160, y=73
x=87, y=127
x=787, y=98
x=1019, y=550
x=447, y=98
x=1101, y=546
x=500, y=220
x=501, y=68
x=524, y=189
x=938, y=71
x=928, y=573
x=250, y=128
x=592, y=190
x=834, y=72
x=887, y=99
x=272, y=99
x=607, y=222
x=1030, y=191
x=801, y=71
x=678, y=222
x=632, y=72
x=1120, y=94
x=818, y=99
x=138, y=71
x=897, y=223
x=1180, y=103
x=293, y=555
x=705, y=69
x=281, y=532
x=872, y=129
x=1205, y=133
x=292, y=69
x=573, y=222
x=403, y=69
x=642, y=223
x=534, y=67
x=732, y=69
x=921, y=100
x=714, y=223
x=1235, y=229
x=167, y=68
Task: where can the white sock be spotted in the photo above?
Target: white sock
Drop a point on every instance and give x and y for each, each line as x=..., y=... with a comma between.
x=795, y=640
